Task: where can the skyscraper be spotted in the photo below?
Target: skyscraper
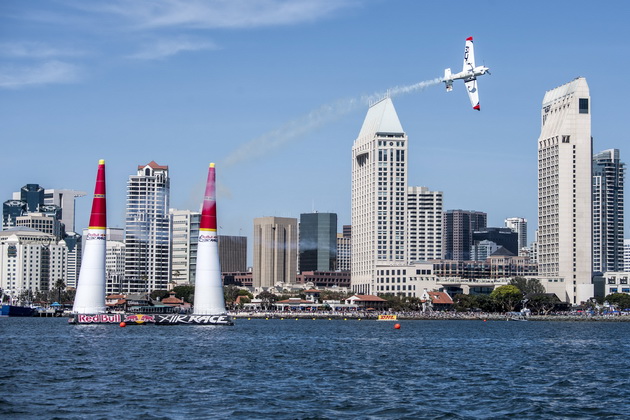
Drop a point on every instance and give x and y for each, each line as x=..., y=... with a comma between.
x=275, y=251
x=518, y=225
x=459, y=226
x=65, y=199
x=147, y=242
x=379, y=195
x=564, y=192
x=608, y=177
x=424, y=224
x=233, y=253
x=318, y=241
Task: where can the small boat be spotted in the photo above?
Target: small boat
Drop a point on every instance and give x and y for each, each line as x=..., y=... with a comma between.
x=14, y=310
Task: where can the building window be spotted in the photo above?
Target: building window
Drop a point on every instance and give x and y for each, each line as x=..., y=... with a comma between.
x=583, y=105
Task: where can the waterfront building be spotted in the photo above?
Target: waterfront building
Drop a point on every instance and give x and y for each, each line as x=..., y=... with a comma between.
x=616, y=282
x=459, y=226
x=318, y=242
x=30, y=261
x=405, y=279
x=379, y=195
x=344, y=249
x=325, y=279
x=275, y=251
x=241, y=278
x=565, y=193
x=518, y=225
x=608, y=214
x=626, y=255
x=424, y=223
x=233, y=253
x=184, y=240
x=147, y=228
x=500, y=266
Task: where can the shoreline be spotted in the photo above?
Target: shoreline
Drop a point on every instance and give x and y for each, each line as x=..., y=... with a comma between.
x=435, y=316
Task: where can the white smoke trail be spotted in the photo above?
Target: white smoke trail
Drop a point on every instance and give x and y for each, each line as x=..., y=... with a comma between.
x=325, y=114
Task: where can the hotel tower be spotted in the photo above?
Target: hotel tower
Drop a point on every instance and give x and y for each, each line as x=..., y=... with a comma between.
x=564, y=193
x=379, y=196
x=147, y=238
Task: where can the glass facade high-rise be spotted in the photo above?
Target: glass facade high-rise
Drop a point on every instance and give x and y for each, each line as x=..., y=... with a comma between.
x=608, y=224
x=318, y=241
x=564, y=193
x=459, y=226
x=147, y=233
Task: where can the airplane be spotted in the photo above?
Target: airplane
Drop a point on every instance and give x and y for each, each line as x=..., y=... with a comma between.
x=469, y=74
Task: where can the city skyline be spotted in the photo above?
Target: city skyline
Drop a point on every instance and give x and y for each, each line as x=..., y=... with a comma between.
x=260, y=83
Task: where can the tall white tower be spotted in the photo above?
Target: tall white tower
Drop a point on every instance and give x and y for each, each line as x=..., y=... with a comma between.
x=147, y=238
x=379, y=195
x=564, y=192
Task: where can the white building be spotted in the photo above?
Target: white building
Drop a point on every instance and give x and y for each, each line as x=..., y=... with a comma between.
x=184, y=237
x=344, y=252
x=41, y=222
x=147, y=227
x=424, y=224
x=626, y=255
x=30, y=261
x=616, y=282
x=518, y=225
x=114, y=266
x=564, y=193
x=75, y=247
x=405, y=279
x=379, y=196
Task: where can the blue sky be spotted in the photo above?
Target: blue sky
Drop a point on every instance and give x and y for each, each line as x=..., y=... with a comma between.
x=272, y=92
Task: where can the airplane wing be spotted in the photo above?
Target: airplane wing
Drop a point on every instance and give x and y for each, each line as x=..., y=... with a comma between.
x=473, y=93
x=469, y=54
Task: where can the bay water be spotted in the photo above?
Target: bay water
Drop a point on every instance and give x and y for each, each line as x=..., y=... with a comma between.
x=315, y=369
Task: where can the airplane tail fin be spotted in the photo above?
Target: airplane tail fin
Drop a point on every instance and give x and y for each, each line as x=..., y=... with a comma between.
x=447, y=80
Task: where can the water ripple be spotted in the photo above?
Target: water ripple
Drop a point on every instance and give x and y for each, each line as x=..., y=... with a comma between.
x=287, y=369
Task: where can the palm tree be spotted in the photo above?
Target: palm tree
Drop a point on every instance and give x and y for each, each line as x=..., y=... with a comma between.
x=59, y=285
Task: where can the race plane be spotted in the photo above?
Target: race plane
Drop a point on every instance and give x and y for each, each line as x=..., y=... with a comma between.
x=469, y=74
